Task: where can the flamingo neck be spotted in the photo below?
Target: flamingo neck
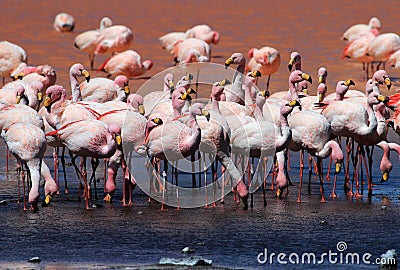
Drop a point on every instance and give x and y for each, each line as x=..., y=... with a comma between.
x=286, y=134
x=333, y=149
x=237, y=83
x=76, y=91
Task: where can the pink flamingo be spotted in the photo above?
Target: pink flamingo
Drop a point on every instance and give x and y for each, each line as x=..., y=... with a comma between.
x=28, y=143
x=235, y=92
x=126, y=63
x=77, y=70
x=22, y=70
x=168, y=40
x=266, y=60
x=358, y=48
x=86, y=41
x=11, y=55
x=355, y=30
x=103, y=89
x=64, y=22
x=191, y=50
x=203, y=32
x=89, y=138
x=383, y=46
x=113, y=39
x=394, y=59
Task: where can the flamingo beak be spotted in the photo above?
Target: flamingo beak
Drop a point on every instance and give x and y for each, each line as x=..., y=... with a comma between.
x=190, y=91
x=127, y=90
x=189, y=77
x=320, y=97
x=118, y=139
x=18, y=99
x=306, y=77
x=385, y=176
x=40, y=96
x=265, y=93
x=320, y=79
x=290, y=65
x=206, y=114
x=388, y=83
x=349, y=82
x=141, y=109
x=47, y=102
x=383, y=99
x=228, y=62
x=255, y=74
x=171, y=86
x=224, y=82
x=294, y=103
x=86, y=74
x=305, y=91
x=338, y=167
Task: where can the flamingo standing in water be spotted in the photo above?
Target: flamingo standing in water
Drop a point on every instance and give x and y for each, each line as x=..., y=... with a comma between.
x=358, y=48
x=203, y=32
x=28, y=143
x=64, y=22
x=191, y=50
x=266, y=60
x=11, y=55
x=113, y=39
x=127, y=63
x=383, y=46
x=89, y=138
x=86, y=41
x=354, y=31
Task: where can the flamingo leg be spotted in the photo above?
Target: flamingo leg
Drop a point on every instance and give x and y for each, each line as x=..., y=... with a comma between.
x=301, y=175
x=321, y=181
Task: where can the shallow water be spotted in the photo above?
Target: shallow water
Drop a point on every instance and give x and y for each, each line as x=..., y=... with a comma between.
x=66, y=235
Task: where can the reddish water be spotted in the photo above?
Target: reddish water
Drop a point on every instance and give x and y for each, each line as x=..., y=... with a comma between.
x=117, y=235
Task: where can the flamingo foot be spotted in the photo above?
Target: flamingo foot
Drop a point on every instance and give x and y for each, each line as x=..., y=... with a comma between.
x=323, y=199
x=358, y=195
x=350, y=193
x=66, y=191
x=34, y=207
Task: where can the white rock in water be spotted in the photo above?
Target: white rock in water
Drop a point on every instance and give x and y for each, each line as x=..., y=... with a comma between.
x=192, y=261
x=187, y=250
x=35, y=260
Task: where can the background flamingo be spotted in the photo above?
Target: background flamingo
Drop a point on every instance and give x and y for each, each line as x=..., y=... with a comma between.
x=64, y=22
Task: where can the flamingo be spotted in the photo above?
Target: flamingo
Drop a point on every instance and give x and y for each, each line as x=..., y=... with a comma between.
x=354, y=120
x=113, y=39
x=266, y=60
x=77, y=70
x=64, y=22
x=394, y=60
x=168, y=40
x=154, y=97
x=14, y=95
x=355, y=30
x=22, y=70
x=103, y=89
x=358, y=48
x=311, y=132
x=262, y=138
x=89, y=138
x=28, y=143
x=383, y=46
x=133, y=135
x=11, y=55
x=235, y=93
x=126, y=63
x=191, y=50
x=203, y=32
x=86, y=41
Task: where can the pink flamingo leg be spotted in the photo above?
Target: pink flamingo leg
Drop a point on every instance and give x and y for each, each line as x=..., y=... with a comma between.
x=301, y=175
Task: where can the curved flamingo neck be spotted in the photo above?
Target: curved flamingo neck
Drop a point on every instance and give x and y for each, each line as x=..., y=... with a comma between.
x=75, y=90
x=331, y=148
x=286, y=134
x=237, y=82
